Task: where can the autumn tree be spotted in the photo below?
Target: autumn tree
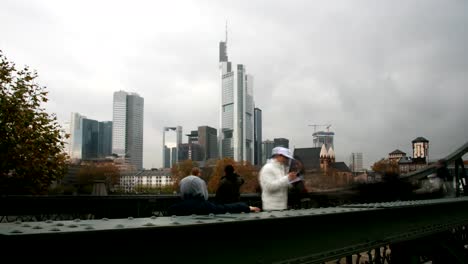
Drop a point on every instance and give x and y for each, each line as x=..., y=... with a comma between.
x=250, y=174
x=89, y=173
x=245, y=169
x=387, y=168
x=31, y=145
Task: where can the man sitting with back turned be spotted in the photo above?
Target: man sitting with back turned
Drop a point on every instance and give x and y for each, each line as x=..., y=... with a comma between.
x=194, y=196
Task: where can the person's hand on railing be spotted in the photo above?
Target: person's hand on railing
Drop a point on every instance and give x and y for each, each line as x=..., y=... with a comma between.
x=254, y=209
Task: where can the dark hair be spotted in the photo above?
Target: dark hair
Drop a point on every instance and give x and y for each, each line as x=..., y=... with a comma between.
x=295, y=162
x=229, y=169
x=195, y=171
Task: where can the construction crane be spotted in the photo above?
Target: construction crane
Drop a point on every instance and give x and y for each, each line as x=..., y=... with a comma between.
x=315, y=127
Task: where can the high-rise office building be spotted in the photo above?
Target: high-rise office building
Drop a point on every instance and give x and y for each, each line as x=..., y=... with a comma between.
x=257, y=136
x=89, y=139
x=355, y=162
x=281, y=142
x=76, y=135
x=323, y=138
x=127, y=129
x=105, y=139
x=208, y=140
x=236, y=134
x=167, y=157
x=195, y=151
x=174, y=156
x=267, y=147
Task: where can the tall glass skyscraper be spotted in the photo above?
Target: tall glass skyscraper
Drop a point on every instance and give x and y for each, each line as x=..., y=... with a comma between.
x=127, y=128
x=258, y=136
x=105, y=139
x=236, y=135
x=89, y=139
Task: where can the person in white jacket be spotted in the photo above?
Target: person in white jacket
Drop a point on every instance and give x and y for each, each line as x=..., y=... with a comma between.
x=275, y=180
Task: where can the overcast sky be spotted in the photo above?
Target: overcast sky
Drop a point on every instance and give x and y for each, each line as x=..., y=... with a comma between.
x=380, y=72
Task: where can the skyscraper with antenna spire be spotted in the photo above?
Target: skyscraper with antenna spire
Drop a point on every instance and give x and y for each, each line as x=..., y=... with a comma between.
x=236, y=133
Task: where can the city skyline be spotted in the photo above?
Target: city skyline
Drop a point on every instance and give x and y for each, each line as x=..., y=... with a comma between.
x=381, y=73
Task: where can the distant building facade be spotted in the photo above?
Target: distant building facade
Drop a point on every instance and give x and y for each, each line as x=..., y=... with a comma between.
x=396, y=155
x=257, y=136
x=355, y=162
x=419, y=160
x=420, y=150
x=105, y=139
x=208, y=140
x=89, y=139
x=127, y=129
x=267, y=147
x=323, y=138
x=152, y=179
x=173, y=157
x=281, y=142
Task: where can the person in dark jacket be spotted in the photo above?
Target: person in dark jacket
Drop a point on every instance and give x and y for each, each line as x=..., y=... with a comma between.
x=194, y=196
x=229, y=186
x=297, y=192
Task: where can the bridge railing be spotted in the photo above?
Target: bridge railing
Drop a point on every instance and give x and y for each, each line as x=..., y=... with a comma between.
x=408, y=229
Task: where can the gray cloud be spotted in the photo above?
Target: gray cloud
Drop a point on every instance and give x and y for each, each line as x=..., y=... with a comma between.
x=382, y=73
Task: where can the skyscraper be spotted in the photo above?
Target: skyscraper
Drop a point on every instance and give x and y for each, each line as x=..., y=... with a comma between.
x=76, y=135
x=281, y=142
x=323, y=138
x=236, y=134
x=355, y=162
x=105, y=139
x=89, y=139
x=127, y=129
x=90, y=130
x=207, y=138
x=174, y=156
x=267, y=147
x=257, y=136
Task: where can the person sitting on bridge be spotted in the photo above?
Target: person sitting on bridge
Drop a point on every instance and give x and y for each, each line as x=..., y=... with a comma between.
x=194, y=196
x=229, y=187
x=275, y=180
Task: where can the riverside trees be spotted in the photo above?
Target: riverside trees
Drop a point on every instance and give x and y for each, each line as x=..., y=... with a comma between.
x=31, y=142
